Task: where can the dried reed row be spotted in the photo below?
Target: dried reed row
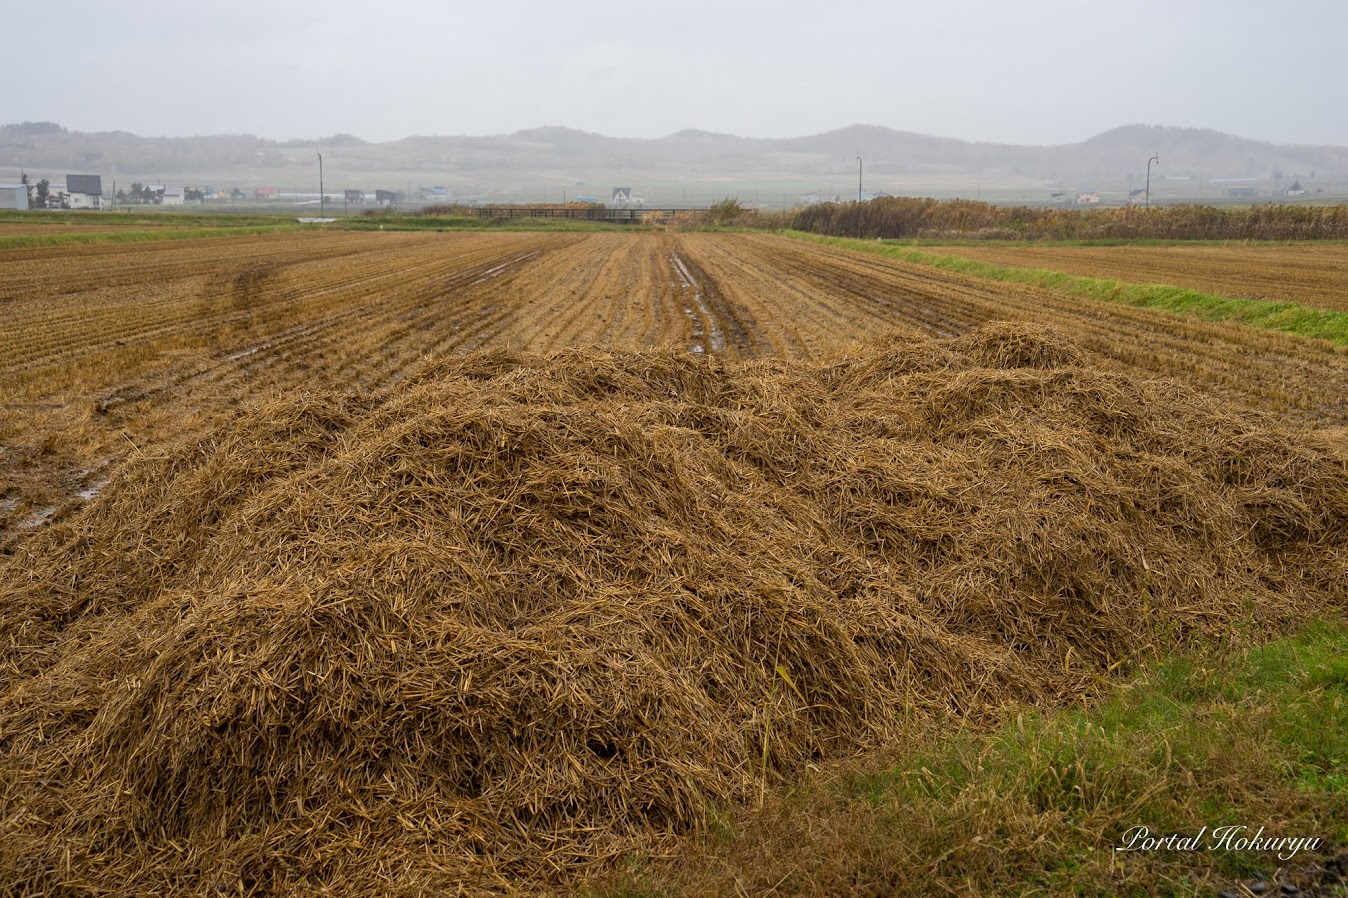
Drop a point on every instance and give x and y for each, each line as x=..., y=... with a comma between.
x=908, y=217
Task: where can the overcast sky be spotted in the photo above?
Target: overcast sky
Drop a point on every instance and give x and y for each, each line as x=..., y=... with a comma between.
x=1017, y=71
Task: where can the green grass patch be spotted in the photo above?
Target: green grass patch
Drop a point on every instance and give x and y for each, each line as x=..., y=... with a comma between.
x=142, y=218
x=78, y=238
x=1287, y=317
x=473, y=223
x=939, y=242
x=1218, y=738
x=142, y=227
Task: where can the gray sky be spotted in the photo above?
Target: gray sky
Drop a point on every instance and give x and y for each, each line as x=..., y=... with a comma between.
x=1017, y=71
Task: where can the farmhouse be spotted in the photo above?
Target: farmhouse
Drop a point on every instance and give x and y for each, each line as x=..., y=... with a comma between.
x=386, y=197
x=1137, y=197
x=355, y=197
x=1088, y=198
x=84, y=191
x=13, y=196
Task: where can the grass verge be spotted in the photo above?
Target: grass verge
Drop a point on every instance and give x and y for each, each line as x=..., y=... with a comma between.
x=1281, y=316
x=165, y=226
x=144, y=217
x=78, y=238
x=1252, y=739
x=473, y=223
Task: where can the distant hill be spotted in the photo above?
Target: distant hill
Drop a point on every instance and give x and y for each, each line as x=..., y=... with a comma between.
x=559, y=157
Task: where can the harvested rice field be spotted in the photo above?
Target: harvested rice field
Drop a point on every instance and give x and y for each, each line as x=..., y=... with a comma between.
x=1311, y=274
x=411, y=564
x=107, y=350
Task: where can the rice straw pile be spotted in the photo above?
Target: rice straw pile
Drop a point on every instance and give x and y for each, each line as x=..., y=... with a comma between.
x=524, y=614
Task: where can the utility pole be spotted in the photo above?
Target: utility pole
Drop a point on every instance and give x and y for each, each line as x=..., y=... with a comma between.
x=321, y=197
x=1157, y=159
x=858, y=176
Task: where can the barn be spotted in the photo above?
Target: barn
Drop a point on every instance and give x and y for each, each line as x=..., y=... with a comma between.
x=13, y=196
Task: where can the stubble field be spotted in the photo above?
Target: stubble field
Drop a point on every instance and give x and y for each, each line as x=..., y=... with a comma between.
x=421, y=563
x=106, y=348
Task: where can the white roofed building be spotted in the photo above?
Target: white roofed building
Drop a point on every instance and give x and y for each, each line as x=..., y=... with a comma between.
x=84, y=191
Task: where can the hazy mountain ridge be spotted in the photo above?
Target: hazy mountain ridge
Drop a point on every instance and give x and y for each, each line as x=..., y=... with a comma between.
x=560, y=154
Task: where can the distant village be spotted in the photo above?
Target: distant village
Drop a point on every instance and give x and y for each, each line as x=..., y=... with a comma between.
x=87, y=192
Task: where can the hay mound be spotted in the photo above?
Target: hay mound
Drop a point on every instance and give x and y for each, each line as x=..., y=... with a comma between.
x=524, y=613
x=1003, y=344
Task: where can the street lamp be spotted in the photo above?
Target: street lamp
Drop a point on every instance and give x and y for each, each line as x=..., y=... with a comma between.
x=858, y=177
x=1157, y=159
x=321, y=197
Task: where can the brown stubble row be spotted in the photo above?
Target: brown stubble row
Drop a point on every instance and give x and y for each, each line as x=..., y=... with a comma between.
x=1312, y=274
x=1304, y=381
x=111, y=350
x=207, y=294
x=107, y=351
x=75, y=269
x=93, y=371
